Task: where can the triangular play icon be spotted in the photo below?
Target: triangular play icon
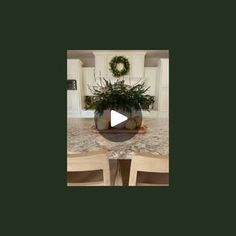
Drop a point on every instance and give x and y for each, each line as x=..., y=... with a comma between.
x=117, y=118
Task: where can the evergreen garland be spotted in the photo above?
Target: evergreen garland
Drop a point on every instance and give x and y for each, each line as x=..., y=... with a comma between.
x=113, y=66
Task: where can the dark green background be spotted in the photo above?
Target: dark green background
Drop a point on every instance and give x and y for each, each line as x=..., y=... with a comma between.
x=34, y=39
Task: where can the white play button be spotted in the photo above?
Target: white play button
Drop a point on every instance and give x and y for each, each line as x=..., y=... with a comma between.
x=117, y=118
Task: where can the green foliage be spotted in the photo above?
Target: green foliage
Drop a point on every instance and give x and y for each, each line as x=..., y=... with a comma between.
x=113, y=66
x=120, y=96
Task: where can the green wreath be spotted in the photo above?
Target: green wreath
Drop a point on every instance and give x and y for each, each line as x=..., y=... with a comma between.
x=119, y=66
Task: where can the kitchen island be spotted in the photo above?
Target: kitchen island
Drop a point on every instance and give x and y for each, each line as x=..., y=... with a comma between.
x=80, y=138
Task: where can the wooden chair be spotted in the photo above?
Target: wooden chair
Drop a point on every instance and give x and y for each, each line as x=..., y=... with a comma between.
x=89, y=161
x=146, y=162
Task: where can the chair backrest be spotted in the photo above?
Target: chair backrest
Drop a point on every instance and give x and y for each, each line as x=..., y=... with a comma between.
x=89, y=161
x=148, y=163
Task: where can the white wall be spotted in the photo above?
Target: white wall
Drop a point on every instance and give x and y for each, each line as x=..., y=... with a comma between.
x=163, y=98
x=150, y=78
x=88, y=79
x=159, y=85
x=136, y=60
x=74, y=97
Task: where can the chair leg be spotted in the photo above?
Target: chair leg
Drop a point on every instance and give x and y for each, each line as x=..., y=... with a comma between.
x=118, y=179
x=106, y=177
x=132, y=177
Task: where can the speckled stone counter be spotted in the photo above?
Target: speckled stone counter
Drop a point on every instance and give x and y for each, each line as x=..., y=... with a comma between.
x=80, y=138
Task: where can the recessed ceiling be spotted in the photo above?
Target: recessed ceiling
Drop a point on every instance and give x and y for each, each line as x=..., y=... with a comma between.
x=89, y=53
x=88, y=59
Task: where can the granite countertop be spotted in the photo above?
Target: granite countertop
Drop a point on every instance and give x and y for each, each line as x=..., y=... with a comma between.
x=80, y=138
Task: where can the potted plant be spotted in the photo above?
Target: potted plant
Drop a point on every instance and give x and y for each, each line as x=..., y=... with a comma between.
x=121, y=97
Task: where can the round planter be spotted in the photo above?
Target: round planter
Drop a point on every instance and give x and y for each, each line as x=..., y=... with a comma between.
x=122, y=125
x=102, y=123
x=130, y=124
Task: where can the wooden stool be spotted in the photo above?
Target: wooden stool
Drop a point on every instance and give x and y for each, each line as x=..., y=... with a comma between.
x=89, y=161
x=147, y=162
